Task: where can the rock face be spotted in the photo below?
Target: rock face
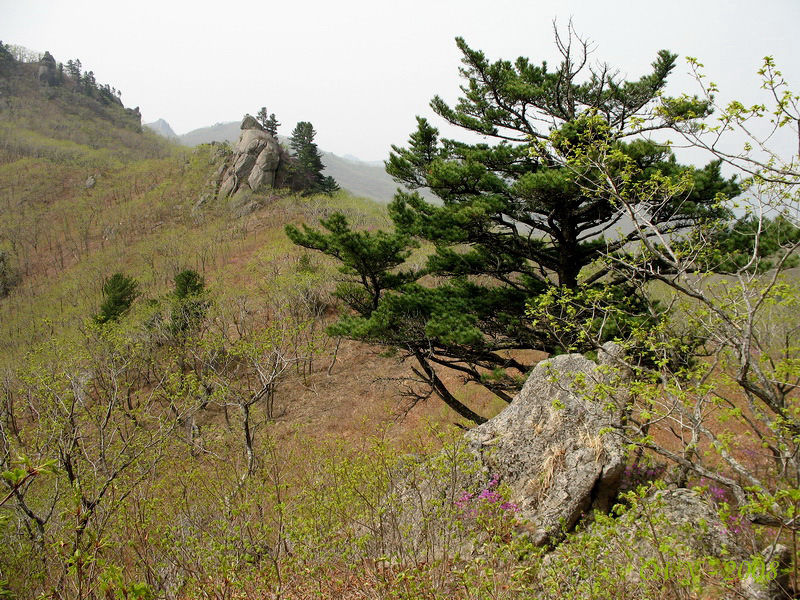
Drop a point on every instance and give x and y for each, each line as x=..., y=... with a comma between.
x=46, y=75
x=549, y=446
x=258, y=162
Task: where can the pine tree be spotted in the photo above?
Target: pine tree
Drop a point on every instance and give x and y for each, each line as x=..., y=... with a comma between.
x=189, y=301
x=89, y=83
x=268, y=121
x=328, y=185
x=119, y=292
x=6, y=60
x=526, y=213
x=272, y=124
x=307, y=169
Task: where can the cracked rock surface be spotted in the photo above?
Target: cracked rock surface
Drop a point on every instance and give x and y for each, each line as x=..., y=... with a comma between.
x=555, y=446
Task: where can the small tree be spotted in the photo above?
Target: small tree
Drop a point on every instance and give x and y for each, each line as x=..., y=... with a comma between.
x=119, y=292
x=189, y=301
x=74, y=70
x=6, y=59
x=307, y=168
x=8, y=274
x=268, y=122
x=328, y=185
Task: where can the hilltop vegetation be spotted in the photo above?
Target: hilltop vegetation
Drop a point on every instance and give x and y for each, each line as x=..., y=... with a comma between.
x=89, y=199
x=193, y=406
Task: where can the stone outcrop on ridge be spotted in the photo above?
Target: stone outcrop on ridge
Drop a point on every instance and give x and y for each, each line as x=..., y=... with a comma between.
x=258, y=162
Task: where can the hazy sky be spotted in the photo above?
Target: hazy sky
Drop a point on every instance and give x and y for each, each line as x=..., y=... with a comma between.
x=361, y=70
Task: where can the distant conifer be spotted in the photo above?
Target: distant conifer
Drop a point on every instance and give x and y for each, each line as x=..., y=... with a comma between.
x=268, y=121
x=119, y=292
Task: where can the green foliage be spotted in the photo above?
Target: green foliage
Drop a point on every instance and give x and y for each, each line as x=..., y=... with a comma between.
x=9, y=277
x=755, y=244
x=189, y=302
x=268, y=122
x=537, y=209
x=119, y=292
x=113, y=585
x=6, y=60
x=328, y=185
x=370, y=259
x=307, y=166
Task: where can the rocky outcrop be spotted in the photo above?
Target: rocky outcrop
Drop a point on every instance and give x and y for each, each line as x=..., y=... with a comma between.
x=555, y=446
x=258, y=162
x=47, y=73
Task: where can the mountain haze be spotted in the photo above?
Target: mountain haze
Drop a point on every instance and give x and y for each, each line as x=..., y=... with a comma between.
x=163, y=128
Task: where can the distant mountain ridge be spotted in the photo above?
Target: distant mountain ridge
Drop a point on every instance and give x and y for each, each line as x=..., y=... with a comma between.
x=360, y=178
x=219, y=132
x=163, y=128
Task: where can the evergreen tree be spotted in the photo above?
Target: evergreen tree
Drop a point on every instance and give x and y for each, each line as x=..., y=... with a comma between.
x=528, y=212
x=307, y=168
x=74, y=70
x=272, y=124
x=328, y=185
x=6, y=60
x=89, y=83
x=119, y=292
x=268, y=121
x=189, y=301
x=262, y=116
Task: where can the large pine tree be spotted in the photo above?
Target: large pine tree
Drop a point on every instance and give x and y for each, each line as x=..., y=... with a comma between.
x=524, y=212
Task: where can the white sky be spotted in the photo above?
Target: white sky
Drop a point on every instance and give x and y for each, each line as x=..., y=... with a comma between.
x=361, y=70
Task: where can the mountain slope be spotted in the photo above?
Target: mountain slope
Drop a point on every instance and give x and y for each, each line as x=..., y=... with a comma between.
x=89, y=194
x=162, y=128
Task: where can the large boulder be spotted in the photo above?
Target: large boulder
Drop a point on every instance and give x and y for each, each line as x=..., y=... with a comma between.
x=46, y=74
x=257, y=163
x=555, y=444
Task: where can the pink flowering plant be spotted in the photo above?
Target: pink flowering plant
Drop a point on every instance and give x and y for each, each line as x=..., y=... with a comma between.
x=734, y=521
x=489, y=509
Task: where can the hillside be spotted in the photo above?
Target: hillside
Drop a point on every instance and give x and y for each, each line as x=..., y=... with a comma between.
x=178, y=420
x=89, y=192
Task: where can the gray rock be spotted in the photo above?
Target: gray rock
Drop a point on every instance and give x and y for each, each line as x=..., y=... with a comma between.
x=249, y=122
x=46, y=74
x=251, y=141
x=761, y=585
x=554, y=444
x=243, y=165
x=90, y=182
x=256, y=164
x=228, y=185
x=671, y=537
x=691, y=518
